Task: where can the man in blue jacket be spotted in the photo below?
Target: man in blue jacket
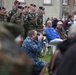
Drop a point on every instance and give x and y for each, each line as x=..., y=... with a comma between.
x=50, y=32
x=33, y=46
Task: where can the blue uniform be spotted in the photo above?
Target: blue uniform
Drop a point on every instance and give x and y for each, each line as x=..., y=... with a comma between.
x=33, y=49
x=51, y=33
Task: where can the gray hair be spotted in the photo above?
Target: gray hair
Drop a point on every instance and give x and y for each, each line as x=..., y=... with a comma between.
x=72, y=30
x=31, y=32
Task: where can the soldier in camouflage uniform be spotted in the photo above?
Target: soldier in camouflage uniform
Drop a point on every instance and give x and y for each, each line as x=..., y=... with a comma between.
x=26, y=19
x=3, y=17
x=14, y=9
x=12, y=60
x=17, y=17
x=33, y=17
x=40, y=18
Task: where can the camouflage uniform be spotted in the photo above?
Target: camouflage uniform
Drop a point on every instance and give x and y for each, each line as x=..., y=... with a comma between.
x=32, y=20
x=26, y=22
x=11, y=13
x=17, y=19
x=39, y=22
x=3, y=18
x=40, y=19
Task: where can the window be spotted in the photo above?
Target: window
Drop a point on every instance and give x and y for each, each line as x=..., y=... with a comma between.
x=47, y=1
x=75, y=2
x=22, y=1
x=65, y=2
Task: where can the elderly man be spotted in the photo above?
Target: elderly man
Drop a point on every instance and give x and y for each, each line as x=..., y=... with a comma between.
x=50, y=32
x=68, y=63
x=60, y=30
x=33, y=46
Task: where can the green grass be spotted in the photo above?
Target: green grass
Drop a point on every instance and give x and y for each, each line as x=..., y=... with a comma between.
x=46, y=58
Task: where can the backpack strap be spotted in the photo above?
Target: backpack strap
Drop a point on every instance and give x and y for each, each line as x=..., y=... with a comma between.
x=53, y=61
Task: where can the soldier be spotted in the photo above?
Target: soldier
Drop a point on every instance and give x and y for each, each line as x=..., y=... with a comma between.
x=3, y=17
x=33, y=17
x=17, y=17
x=26, y=19
x=12, y=60
x=14, y=9
x=40, y=18
x=40, y=15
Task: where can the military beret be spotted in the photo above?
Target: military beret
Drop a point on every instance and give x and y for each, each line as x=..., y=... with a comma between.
x=42, y=8
x=26, y=7
x=16, y=2
x=14, y=29
x=1, y=8
x=20, y=7
x=33, y=5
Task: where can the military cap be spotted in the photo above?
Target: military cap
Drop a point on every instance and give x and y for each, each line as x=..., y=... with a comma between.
x=14, y=29
x=42, y=8
x=1, y=8
x=33, y=5
x=16, y=2
x=59, y=22
x=20, y=7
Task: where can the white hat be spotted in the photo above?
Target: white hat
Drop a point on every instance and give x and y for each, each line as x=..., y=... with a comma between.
x=59, y=22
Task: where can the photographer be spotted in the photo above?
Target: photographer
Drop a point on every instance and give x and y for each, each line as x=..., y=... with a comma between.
x=33, y=45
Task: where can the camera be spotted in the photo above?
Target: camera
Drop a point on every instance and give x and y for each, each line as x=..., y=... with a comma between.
x=44, y=34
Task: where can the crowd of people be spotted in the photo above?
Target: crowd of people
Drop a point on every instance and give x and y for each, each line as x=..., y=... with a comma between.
x=28, y=16
x=22, y=40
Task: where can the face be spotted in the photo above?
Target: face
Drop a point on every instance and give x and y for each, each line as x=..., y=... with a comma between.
x=59, y=26
x=20, y=10
x=26, y=9
x=34, y=36
x=49, y=23
x=2, y=11
x=33, y=8
x=17, y=4
x=41, y=11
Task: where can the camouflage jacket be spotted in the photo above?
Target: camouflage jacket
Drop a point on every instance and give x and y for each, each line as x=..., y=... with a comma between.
x=12, y=12
x=17, y=18
x=3, y=18
x=33, y=18
x=39, y=19
x=26, y=18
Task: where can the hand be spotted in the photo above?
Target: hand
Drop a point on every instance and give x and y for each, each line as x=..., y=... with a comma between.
x=40, y=37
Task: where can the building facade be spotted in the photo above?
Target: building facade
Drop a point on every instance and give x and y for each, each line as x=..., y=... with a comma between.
x=69, y=8
x=52, y=7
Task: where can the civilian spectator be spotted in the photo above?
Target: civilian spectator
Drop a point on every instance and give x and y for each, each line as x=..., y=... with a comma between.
x=60, y=30
x=33, y=47
x=54, y=22
x=51, y=33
